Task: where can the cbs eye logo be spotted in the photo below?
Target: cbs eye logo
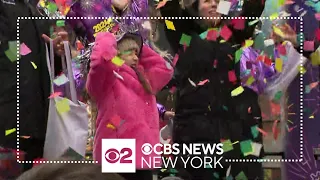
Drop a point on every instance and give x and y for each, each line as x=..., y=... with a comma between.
x=113, y=155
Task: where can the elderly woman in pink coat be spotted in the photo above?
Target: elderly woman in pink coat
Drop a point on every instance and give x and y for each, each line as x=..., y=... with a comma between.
x=126, y=92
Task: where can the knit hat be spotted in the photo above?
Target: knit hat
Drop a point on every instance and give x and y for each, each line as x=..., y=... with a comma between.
x=126, y=42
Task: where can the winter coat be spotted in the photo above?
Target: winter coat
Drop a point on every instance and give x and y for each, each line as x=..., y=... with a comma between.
x=34, y=82
x=118, y=92
x=205, y=111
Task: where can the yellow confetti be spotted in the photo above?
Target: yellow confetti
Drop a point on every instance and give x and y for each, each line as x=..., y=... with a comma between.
x=237, y=91
x=222, y=41
x=274, y=16
x=311, y=117
x=315, y=58
x=117, y=61
x=278, y=31
x=10, y=131
x=34, y=65
x=63, y=106
x=163, y=170
x=279, y=65
x=235, y=142
x=248, y=43
x=111, y=126
x=302, y=70
x=170, y=25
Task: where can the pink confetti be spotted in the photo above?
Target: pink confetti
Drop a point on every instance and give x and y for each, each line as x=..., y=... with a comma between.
x=275, y=130
x=238, y=24
x=201, y=83
x=173, y=89
x=317, y=15
x=212, y=35
x=24, y=49
x=232, y=76
x=308, y=46
x=262, y=132
x=282, y=49
x=225, y=33
x=290, y=129
x=175, y=59
x=56, y=94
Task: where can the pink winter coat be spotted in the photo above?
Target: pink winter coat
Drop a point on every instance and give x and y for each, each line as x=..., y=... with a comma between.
x=118, y=92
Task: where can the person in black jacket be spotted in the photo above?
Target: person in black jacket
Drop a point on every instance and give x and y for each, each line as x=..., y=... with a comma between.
x=34, y=79
x=207, y=112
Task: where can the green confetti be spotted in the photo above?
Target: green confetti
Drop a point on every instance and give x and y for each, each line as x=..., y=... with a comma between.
x=259, y=41
x=11, y=53
x=208, y=166
x=250, y=80
x=216, y=175
x=238, y=55
x=227, y=146
x=241, y=176
x=254, y=131
x=225, y=108
x=278, y=96
x=300, y=37
x=308, y=89
x=246, y=147
x=185, y=40
x=253, y=22
x=204, y=35
x=60, y=23
x=229, y=178
x=52, y=7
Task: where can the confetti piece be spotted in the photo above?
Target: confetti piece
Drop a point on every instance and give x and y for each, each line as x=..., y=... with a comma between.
x=56, y=94
x=275, y=108
x=170, y=25
x=60, y=80
x=60, y=23
x=111, y=126
x=278, y=96
x=249, y=110
x=118, y=75
x=256, y=149
x=25, y=137
x=52, y=7
x=315, y=58
x=282, y=49
x=307, y=89
x=290, y=129
x=250, y=80
x=232, y=76
x=235, y=142
x=185, y=40
x=24, y=49
x=203, y=82
x=34, y=65
x=238, y=55
x=228, y=171
x=248, y=43
x=269, y=42
x=212, y=35
x=192, y=83
x=308, y=45
x=161, y=4
x=215, y=63
x=278, y=31
x=204, y=35
x=253, y=22
x=262, y=131
x=237, y=91
x=224, y=7
x=227, y=146
x=317, y=16
x=254, y=131
x=238, y=24
x=225, y=33
x=225, y=108
x=302, y=70
x=318, y=34
x=11, y=53
x=163, y=170
x=117, y=61
x=246, y=147
x=10, y=131
x=63, y=106
x=314, y=84
x=311, y=117
x=216, y=175
x=274, y=16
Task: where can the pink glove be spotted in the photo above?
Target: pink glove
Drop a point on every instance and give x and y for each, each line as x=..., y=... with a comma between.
x=105, y=46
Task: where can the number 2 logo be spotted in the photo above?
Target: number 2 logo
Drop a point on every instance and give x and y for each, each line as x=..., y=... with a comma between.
x=113, y=155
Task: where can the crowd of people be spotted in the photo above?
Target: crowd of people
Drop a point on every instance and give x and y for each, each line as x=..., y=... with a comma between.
x=124, y=73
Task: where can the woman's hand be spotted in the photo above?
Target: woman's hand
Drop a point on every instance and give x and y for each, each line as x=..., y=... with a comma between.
x=59, y=37
x=288, y=34
x=120, y=4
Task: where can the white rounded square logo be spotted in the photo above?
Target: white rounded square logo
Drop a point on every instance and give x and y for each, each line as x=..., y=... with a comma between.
x=118, y=155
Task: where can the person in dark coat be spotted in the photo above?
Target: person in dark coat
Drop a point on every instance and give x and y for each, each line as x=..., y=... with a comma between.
x=34, y=81
x=207, y=113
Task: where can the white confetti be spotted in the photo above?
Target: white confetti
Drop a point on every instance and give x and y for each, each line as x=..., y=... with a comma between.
x=192, y=83
x=118, y=75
